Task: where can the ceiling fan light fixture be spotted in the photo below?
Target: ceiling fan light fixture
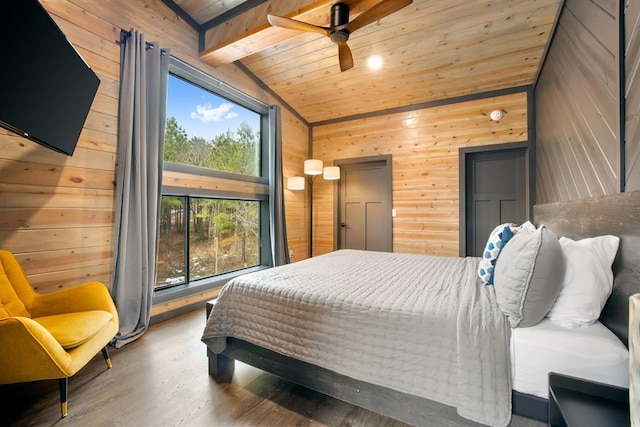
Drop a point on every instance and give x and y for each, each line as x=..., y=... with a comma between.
x=340, y=27
x=340, y=36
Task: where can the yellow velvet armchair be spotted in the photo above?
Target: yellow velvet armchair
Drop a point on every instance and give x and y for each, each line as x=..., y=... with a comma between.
x=50, y=335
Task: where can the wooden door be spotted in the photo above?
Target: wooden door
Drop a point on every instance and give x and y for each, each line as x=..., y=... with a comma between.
x=364, y=205
x=496, y=192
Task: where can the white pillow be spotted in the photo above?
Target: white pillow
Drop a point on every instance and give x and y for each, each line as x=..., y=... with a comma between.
x=587, y=282
x=527, y=227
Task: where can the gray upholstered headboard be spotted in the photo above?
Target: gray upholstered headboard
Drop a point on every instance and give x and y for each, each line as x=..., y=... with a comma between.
x=619, y=215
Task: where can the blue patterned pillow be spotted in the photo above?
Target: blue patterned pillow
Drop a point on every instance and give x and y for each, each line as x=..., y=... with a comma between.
x=497, y=239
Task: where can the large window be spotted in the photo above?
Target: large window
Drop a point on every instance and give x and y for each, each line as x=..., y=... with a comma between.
x=214, y=211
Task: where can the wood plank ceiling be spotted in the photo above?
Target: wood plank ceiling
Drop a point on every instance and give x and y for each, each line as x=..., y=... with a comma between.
x=431, y=50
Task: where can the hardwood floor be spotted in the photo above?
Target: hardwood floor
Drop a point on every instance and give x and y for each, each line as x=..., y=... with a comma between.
x=161, y=380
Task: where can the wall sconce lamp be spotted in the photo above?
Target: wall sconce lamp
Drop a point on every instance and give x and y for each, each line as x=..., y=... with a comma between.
x=312, y=168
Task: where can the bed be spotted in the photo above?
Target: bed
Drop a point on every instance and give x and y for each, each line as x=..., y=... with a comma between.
x=392, y=361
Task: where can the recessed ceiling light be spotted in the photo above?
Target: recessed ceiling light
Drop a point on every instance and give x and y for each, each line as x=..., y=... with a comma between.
x=374, y=62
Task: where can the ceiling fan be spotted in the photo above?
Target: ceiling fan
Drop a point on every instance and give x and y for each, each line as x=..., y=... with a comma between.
x=339, y=26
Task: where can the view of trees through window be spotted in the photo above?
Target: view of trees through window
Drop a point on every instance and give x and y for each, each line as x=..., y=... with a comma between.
x=201, y=237
x=222, y=236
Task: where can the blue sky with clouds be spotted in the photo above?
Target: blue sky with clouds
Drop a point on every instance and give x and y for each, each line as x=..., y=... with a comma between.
x=202, y=113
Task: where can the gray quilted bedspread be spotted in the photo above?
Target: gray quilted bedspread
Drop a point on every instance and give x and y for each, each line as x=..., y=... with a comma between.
x=418, y=324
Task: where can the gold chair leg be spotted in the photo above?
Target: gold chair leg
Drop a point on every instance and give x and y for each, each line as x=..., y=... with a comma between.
x=64, y=383
x=105, y=354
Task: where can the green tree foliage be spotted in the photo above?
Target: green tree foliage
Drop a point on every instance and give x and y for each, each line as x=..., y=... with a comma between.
x=225, y=224
x=237, y=152
x=175, y=141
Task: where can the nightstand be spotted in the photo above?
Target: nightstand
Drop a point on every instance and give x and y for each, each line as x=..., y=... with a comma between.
x=584, y=403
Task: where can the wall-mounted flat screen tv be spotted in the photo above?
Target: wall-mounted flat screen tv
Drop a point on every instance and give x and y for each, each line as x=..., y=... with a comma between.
x=46, y=88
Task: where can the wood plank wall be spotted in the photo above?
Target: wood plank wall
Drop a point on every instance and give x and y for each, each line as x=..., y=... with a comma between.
x=424, y=146
x=56, y=212
x=577, y=107
x=632, y=91
x=296, y=208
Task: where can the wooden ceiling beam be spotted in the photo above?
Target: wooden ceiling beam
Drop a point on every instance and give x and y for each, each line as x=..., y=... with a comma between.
x=250, y=32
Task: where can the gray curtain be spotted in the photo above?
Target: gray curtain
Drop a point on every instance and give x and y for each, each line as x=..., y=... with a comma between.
x=143, y=92
x=279, y=244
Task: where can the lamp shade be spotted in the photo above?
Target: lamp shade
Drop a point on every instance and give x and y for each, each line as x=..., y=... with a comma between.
x=313, y=167
x=295, y=183
x=331, y=172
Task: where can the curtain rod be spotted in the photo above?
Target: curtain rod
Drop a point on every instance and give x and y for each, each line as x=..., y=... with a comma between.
x=124, y=34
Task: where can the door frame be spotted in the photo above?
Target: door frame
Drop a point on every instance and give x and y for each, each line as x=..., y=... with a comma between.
x=463, y=160
x=387, y=158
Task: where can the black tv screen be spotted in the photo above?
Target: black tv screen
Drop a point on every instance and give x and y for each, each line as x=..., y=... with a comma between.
x=46, y=88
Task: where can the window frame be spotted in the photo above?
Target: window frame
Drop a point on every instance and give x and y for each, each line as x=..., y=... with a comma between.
x=262, y=184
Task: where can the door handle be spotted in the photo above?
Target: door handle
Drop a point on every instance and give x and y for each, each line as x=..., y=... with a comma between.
x=343, y=225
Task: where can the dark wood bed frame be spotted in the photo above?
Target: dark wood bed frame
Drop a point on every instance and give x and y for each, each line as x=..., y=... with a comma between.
x=617, y=214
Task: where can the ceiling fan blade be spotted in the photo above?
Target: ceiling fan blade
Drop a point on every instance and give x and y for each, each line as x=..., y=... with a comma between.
x=345, y=57
x=375, y=13
x=292, y=24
